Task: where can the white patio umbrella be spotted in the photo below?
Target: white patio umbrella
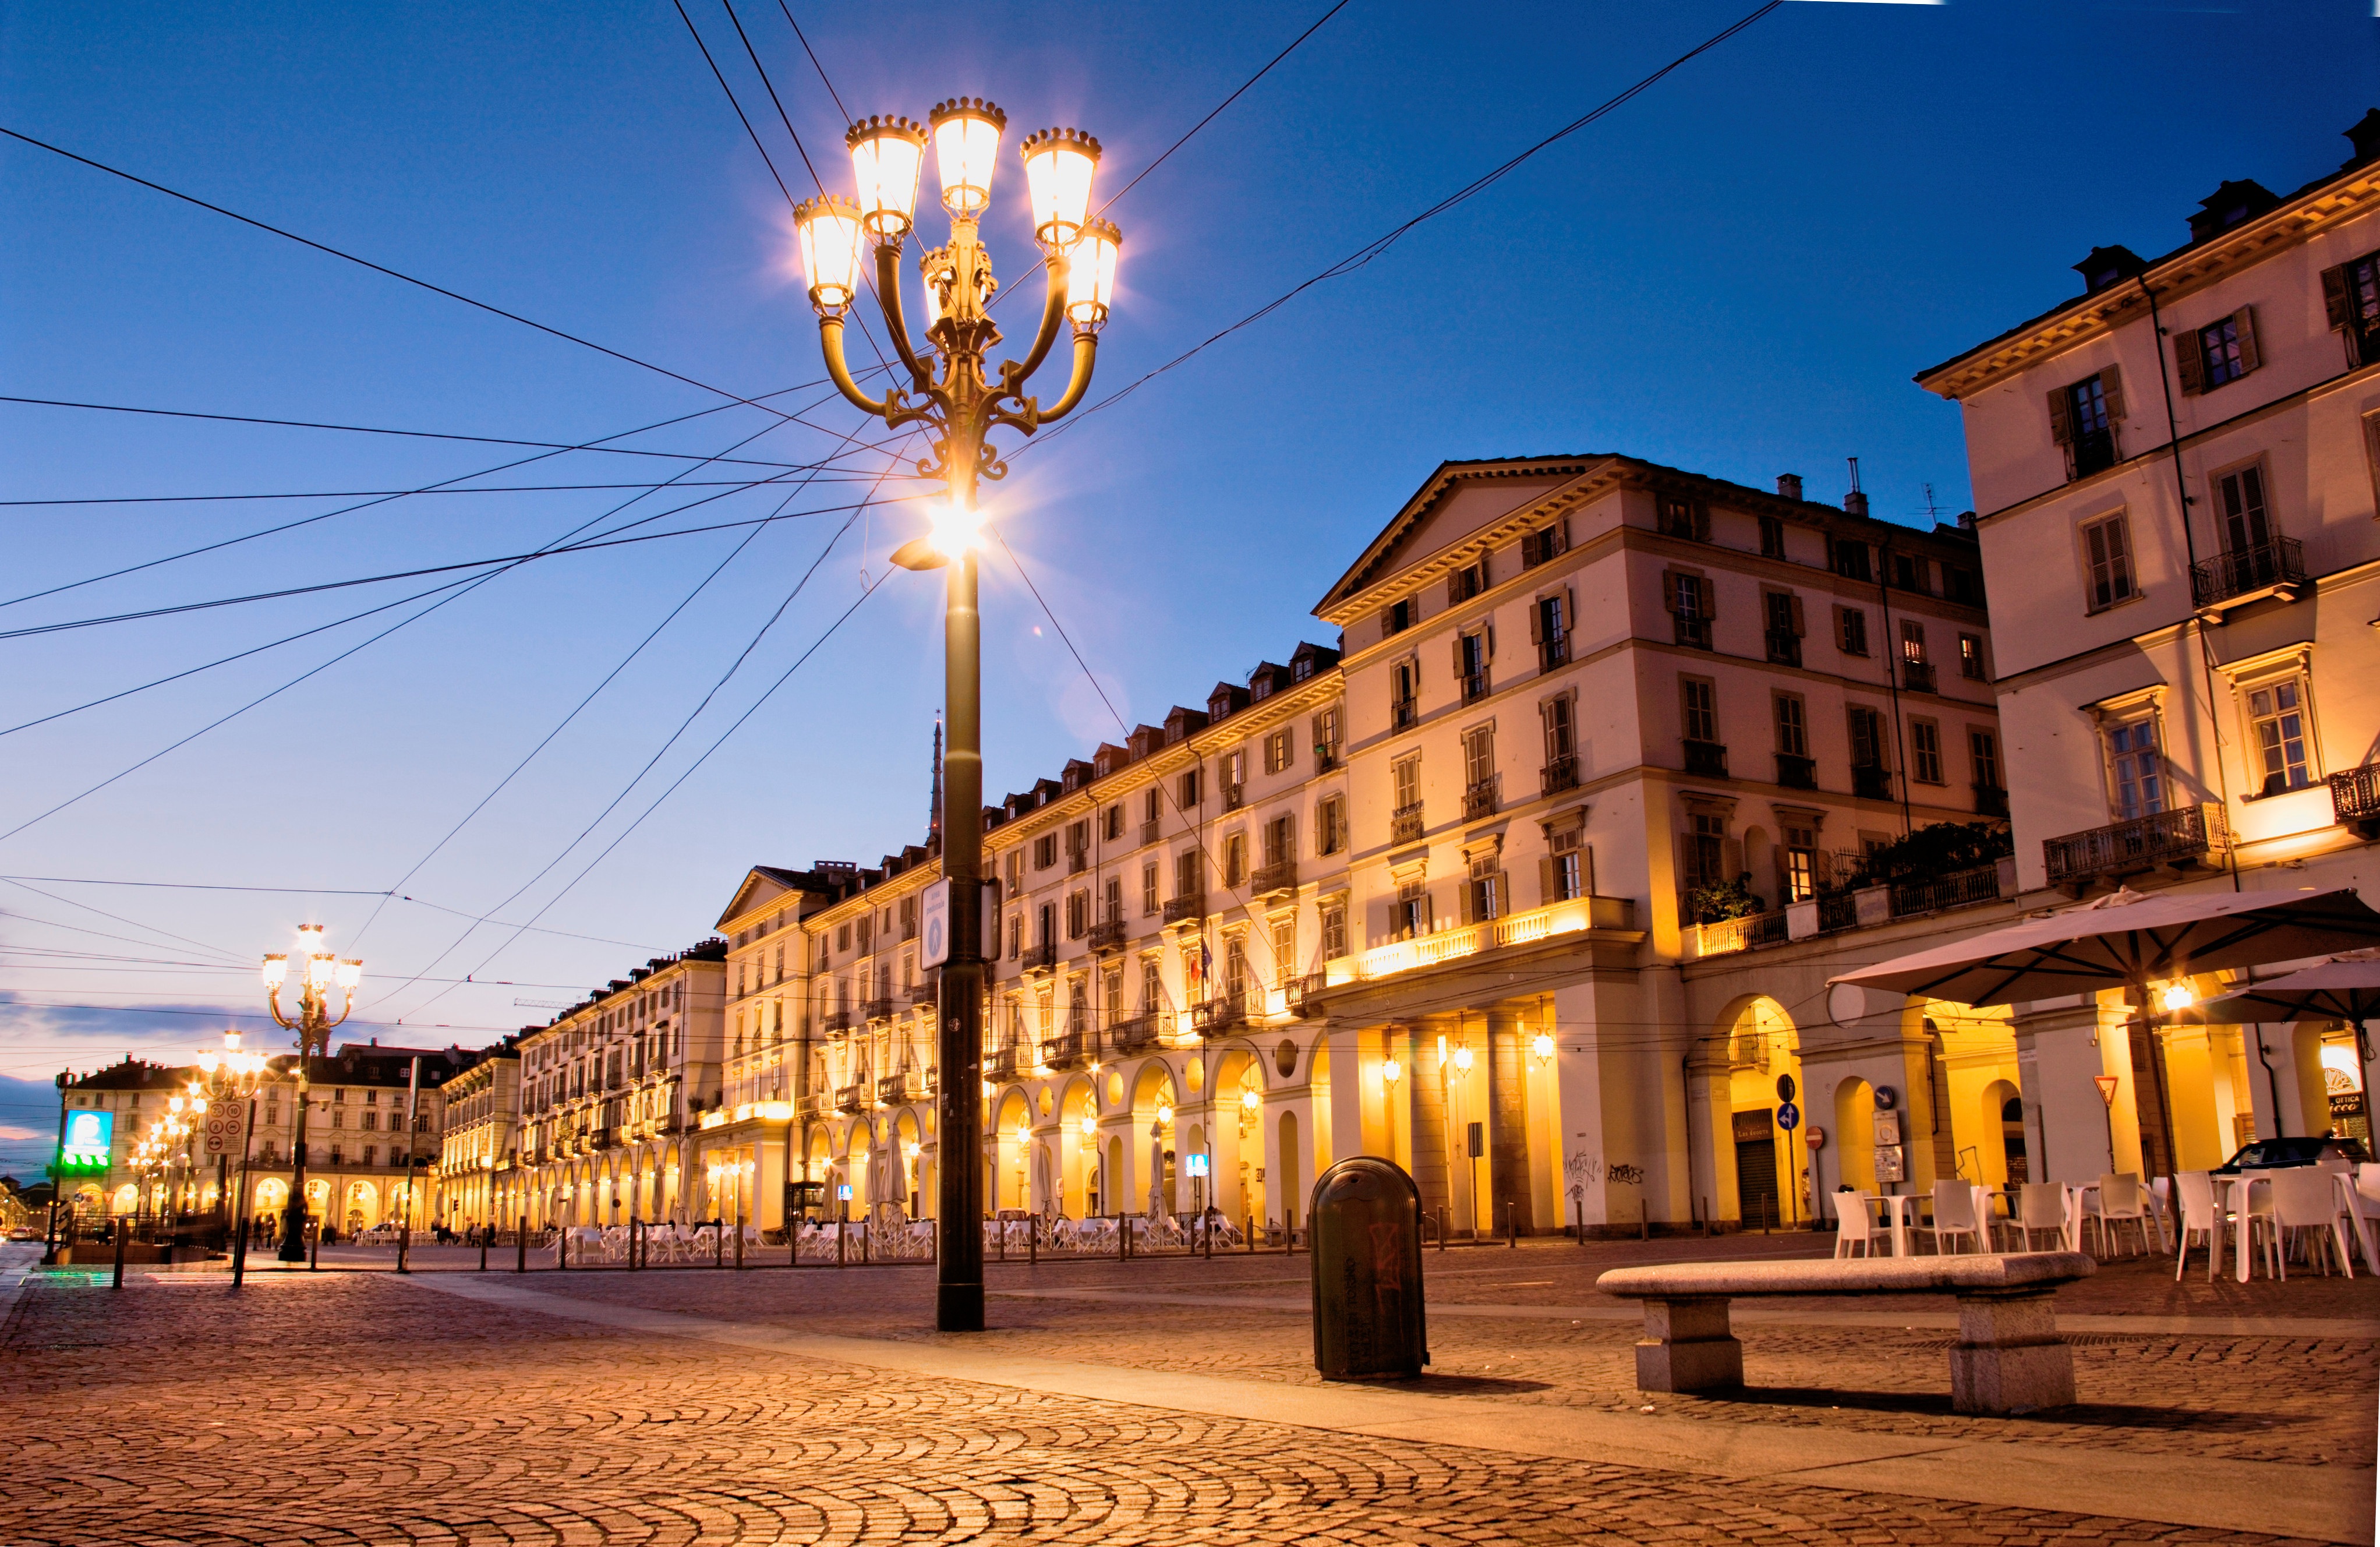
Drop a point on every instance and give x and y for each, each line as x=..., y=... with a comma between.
x=1042, y=1188
x=2127, y=939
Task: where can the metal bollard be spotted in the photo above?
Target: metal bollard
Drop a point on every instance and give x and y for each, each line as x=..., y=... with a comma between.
x=739, y=1248
x=520, y=1243
x=120, y=1233
x=1512, y=1226
x=1252, y=1235
x=314, y=1251
x=562, y=1248
x=1123, y=1239
x=1368, y=1317
x=483, y=1252
x=839, y=1248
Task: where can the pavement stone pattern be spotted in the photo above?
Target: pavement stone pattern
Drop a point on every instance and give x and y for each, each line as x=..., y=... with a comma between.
x=355, y=1408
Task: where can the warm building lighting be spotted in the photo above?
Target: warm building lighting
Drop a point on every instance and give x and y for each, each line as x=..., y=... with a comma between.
x=1543, y=1046
x=1250, y=1100
x=1462, y=1058
x=967, y=142
x=1164, y=1114
x=1090, y=1125
x=830, y=232
x=1090, y=275
x=2178, y=997
x=1391, y=1071
x=886, y=155
x=1058, y=167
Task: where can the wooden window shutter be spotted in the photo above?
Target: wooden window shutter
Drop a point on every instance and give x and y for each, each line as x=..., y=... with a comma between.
x=1801, y=629
x=1546, y=880
x=1455, y=588
x=2244, y=324
x=1570, y=610
x=1537, y=620
x=1490, y=632
x=2334, y=297
x=1709, y=596
x=2061, y=421
x=1669, y=579
x=2189, y=362
x=2111, y=386
x=1458, y=657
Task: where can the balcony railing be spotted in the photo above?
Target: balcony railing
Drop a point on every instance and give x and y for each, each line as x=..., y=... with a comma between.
x=1479, y=799
x=1298, y=990
x=1559, y=774
x=839, y=1021
x=1958, y=889
x=878, y=1008
x=909, y=928
x=1917, y=676
x=2274, y=565
x=1063, y=1050
x=1109, y=936
x=1751, y=932
x=1226, y=1013
x=1326, y=757
x=1552, y=921
x=1706, y=760
x=1134, y=1034
x=1005, y=1062
x=1178, y=909
x=1077, y=860
x=1553, y=652
x=2355, y=798
x=1991, y=800
x=1279, y=876
x=2182, y=839
x=1149, y=831
x=1694, y=632
x=851, y=1098
x=894, y=1089
x=1797, y=772
x=1041, y=958
x=1234, y=797
x=1784, y=647
x=1404, y=823
x=1837, y=910
x=1870, y=782
x=927, y=990
x=1475, y=687
x=1403, y=713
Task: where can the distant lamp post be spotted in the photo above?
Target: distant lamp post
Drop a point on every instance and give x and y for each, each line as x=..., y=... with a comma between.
x=960, y=401
x=323, y=975
x=233, y=1075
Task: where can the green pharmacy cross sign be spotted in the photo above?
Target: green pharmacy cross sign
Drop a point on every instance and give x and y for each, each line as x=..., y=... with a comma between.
x=90, y=1139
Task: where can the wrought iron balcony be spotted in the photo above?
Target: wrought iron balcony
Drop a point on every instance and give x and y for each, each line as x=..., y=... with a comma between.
x=838, y=1021
x=1109, y=936
x=1234, y=797
x=1956, y=889
x=1065, y=1051
x=1077, y=860
x=1404, y=825
x=1991, y=800
x=909, y=928
x=878, y=1008
x=1303, y=989
x=1178, y=909
x=1784, y=647
x=2273, y=567
x=1226, y=1013
x=1326, y=757
x=1133, y=1035
x=1404, y=714
x=1279, y=876
x=2179, y=839
x=1796, y=773
x=1041, y=958
x=1475, y=687
x=1553, y=652
x=1479, y=799
x=1559, y=775
x=1149, y=831
x=2355, y=798
x=1005, y=1062
x=1870, y=782
x=1917, y=676
x=1706, y=760
x=894, y=1089
x=1694, y=633
x=851, y=1098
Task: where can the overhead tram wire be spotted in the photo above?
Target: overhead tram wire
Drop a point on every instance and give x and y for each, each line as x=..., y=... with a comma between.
x=626, y=790
x=358, y=493
x=1381, y=244
x=803, y=39
x=465, y=590
x=394, y=274
x=324, y=516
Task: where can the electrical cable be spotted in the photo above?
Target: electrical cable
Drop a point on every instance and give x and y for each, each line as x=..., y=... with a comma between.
x=805, y=42
x=393, y=274
x=1381, y=244
x=358, y=493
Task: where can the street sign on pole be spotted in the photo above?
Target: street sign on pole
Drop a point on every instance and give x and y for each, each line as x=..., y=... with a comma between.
x=934, y=925
x=1788, y=1116
x=221, y=1128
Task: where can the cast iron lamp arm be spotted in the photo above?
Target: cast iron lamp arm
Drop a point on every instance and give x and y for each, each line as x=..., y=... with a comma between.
x=888, y=300
x=831, y=339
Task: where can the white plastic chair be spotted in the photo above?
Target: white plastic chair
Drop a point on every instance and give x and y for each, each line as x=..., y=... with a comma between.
x=2120, y=1202
x=2358, y=1197
x=2041, y=1209
x=1858, y=1237
x=1954, y=1216
x=2198, y=1217
x=2306, y=1198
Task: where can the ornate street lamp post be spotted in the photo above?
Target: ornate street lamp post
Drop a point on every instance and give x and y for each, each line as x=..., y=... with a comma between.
x=323, y=973
x=233, y=1075
x=961, y=401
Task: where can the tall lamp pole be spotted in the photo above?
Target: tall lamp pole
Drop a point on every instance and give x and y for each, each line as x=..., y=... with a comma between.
x=233, y=1075
x=960, y=401
x=323, y=973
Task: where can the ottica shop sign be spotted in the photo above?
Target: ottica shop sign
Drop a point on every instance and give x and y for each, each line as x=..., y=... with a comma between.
x=91, y=1137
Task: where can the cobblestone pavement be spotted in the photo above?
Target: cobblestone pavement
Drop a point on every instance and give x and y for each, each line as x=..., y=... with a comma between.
x=355, y=1408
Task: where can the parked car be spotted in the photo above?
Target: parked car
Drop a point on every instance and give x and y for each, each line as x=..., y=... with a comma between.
x=24, y=1233
x=2270, y=1154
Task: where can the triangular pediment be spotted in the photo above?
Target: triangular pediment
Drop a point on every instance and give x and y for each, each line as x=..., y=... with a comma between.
x=1455, y=502
x=763, y=885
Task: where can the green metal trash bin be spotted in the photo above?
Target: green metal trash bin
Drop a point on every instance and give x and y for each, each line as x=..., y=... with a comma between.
x=1365, y=1223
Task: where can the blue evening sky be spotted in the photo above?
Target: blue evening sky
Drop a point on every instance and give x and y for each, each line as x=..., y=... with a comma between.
x=1737, y=272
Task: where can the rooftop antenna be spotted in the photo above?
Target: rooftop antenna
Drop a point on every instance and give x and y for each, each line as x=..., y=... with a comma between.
x=1854, y=462
x=1933, y=511
x=934, y=820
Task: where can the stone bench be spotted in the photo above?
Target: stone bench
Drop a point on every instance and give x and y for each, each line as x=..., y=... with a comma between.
x=2009, y=1357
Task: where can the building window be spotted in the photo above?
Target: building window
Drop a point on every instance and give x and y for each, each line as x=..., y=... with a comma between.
x=1479, y=756
x=1114, y=901
x=1552, y=625
x=1983, y=752
x=1331, y=825
x=1397, y=617
x=1772, y=537
x=1486, y=890
x=1792, y=726
x=1784, y=630
x=1045, y=851
x=1334, y=931
x=1235, y=860
x=1684, y=517
x=1971, y=658
x=1852, y=629
x=1152, y=803
x=1800, y=863
x=2222, y=351
x=1466, y=583
x=1148, y=887
x=1562, y=737
x=2276, y=719
x=1111, y=823
x=1404, y=780
x=1187, y=878
x=1542, y=545
x=2136, y=768
x=1701, y=700
x=1852, y=560
x=1284, y=950
x=2082, y=419
x=1707, y=850
x=1280, y=840
x=2107, y=551
x=1925, y=751
x=1190, y=788
x=1959, y=584
x=2247, y=525
x=1280, y=750
x=1868, y=738
x=1078, y=914
x=1691, y=605
x=1404, y=693
x=1152, y=986
x=1566, y=867
x=1471, y=664
x=1326, y=740
x=1413, y=910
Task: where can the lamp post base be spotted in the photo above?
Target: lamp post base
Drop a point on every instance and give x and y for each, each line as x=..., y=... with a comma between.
x=958, y=1308
x=292, y=1237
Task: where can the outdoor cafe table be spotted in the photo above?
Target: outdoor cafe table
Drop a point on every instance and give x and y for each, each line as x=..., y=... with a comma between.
x=1901, y=1215
x=2233, y=1196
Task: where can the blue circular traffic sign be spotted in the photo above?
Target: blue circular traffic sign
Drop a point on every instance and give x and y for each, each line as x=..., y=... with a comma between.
x=1788, y=1116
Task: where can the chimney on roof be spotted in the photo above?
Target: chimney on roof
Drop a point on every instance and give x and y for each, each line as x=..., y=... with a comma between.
x=2108, y=265
x=1855, y=502
x=1789, y=486
x=2365, y=136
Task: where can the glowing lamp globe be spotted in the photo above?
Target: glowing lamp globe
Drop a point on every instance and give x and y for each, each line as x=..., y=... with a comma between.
x=1058, y=164
x=886, y=156
x=967, y=142
x=1090, y=273
x=830, y=233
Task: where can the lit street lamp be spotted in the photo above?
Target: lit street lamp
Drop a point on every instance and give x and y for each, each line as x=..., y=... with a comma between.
x=233, y=1075
x=960, y=402
x=323, y=973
